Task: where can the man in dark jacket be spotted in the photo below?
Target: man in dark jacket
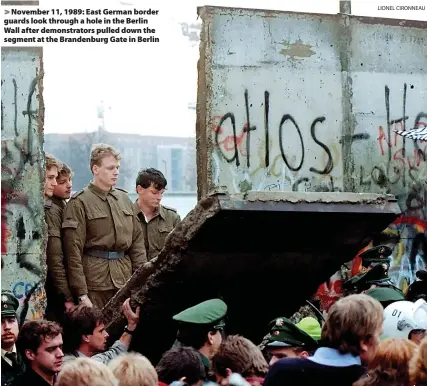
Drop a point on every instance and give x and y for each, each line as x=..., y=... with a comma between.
x=11, y=361
x=40, y=341
x=349, y=339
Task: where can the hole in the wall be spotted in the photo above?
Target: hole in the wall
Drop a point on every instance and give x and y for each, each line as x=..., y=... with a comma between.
x=412, y=86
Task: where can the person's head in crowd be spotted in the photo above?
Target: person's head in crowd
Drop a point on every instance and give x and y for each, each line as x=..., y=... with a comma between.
x=418, y=288
x=202, y=326
x=134, y=369
x=237, y=354
x=418, y=365
x=40, y=342
x=84, y=331
x=181, y=364
x=150, y=186
x=104, y=165
x=353, y=326
x=86, y=372
x=64, y=185
x=9, y=322
x=390, y=364
x=289, y=340
x=53, y=166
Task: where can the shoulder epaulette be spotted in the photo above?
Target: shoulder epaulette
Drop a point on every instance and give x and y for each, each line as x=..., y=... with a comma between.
x=48, y=204
x=122, y=190
x=77, y=193
x=169, y=208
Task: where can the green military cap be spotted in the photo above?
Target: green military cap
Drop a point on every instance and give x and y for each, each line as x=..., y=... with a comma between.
x=9, y=304
x=376, y=255
x=284, y=333
x=386, y=294
x=207, y=312
x=375, y=275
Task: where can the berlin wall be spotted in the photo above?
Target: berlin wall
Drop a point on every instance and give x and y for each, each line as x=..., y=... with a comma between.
x=23, y=237
x=308, y=102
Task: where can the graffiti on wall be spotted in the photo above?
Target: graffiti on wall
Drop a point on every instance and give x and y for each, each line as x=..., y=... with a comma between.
x=390, y=164
x=22, y=213
x=272, y=149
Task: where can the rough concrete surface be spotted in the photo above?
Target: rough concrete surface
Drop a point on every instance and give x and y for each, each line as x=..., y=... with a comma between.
x=22, y=179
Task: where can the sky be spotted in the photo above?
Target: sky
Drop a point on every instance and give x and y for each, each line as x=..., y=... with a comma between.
x=147, y=89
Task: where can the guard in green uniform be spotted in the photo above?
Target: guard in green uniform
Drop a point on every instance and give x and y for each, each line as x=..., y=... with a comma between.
x=157, y=220
x=289, y=340
x=202, y=327
x=374, y=279
x=12, y=363
x=102, y=238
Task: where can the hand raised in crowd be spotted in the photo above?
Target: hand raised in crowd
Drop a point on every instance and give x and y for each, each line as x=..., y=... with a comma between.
x=132, y=317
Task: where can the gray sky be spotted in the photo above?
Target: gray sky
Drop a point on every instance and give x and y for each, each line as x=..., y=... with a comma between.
x=146, y=89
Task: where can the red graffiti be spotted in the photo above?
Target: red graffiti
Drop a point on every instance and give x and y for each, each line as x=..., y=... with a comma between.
x=329, y=293
x=228, y=142
x=411, y=220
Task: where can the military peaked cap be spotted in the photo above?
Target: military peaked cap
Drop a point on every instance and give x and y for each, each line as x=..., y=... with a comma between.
x=207, y=312
x=284, y=333
x=9, y=304
x=376, y=274
x=376, y=255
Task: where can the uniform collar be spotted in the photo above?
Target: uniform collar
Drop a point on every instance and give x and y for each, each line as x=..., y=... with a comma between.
x=58, y=201
x=101, y=193
x=206, y=362
x=160, y=212
x=3, y=352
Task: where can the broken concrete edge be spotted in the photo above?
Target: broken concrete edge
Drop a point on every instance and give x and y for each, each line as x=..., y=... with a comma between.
x=314, y=197
x=217, y=9
x=169, y=256
x=204, y=94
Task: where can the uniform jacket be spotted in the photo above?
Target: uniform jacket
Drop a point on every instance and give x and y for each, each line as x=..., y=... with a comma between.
x=57, y=276
x=95, y=219
x=157, y=229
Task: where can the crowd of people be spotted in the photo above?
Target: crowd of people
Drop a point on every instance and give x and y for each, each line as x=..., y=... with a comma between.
x=346, y=349
x=97, y=238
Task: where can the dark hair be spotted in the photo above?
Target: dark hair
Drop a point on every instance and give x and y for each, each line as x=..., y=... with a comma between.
x=148, y=177
x=79, y=321
x=31, y=334
x=181, y=362
x=194, y=335
x=65, y=171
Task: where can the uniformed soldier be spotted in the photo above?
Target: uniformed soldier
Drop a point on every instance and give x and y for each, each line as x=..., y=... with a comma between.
x=289, y=340
x=374, y=279
x=202, y=327
x=59, y=297
x=103, y=241
x=12, y=364
x=157, y=220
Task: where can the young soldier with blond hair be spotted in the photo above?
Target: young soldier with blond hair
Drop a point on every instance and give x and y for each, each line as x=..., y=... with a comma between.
x=103, y=240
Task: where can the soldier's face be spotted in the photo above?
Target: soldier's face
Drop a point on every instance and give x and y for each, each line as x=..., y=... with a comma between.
x=284, y=352
x=150, y=196
x=63, y=187
x=107, y=173
x=50, y=181
x=9, y=331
